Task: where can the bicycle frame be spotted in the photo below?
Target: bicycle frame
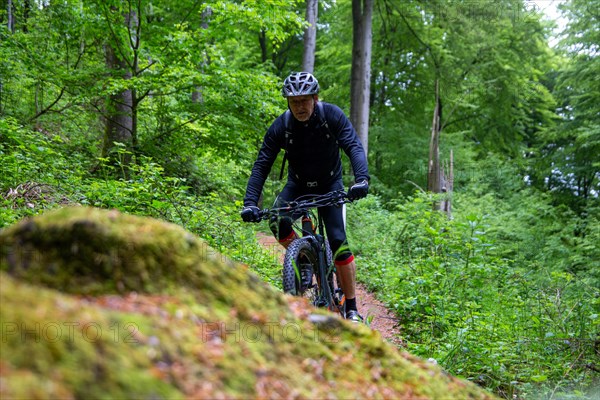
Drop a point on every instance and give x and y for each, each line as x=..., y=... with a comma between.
x=324, y=268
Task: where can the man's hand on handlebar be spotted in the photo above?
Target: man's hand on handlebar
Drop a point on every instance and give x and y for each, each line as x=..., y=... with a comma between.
x=250, y=214
x=358, y=190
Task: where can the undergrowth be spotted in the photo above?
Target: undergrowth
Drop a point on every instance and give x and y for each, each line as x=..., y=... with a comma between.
x=516, y=324
x=35, y=176
x=494, y=294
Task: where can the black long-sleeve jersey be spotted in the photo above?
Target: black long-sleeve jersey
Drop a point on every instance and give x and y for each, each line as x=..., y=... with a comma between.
x=313, y=150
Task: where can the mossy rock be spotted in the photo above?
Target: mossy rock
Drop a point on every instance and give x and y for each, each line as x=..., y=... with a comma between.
x=98, y=304
x=86, y=250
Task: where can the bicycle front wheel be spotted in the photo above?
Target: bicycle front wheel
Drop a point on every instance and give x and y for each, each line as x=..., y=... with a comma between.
x=300, y=264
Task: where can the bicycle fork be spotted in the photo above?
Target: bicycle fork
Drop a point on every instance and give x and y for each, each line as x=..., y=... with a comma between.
x=328, y=297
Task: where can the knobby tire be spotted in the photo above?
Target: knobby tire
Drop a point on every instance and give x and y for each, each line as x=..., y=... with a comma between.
x=302, y=254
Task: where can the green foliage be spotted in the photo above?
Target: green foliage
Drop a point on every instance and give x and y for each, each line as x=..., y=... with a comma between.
x=276, y=17
x=34, y=171
x=566, y=159
x=506, y=293
x=481, y=294
x=489, y=60
x=36, y=176
x=333, y=58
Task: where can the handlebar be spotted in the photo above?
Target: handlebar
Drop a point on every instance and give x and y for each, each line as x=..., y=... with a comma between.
x=306, y=202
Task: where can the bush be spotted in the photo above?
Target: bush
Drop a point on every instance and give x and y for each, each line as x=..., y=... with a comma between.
x=466, y=297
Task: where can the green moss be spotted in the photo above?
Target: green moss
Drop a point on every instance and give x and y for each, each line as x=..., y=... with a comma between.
x=169, y=320
x=51, y=344
x=93, y=251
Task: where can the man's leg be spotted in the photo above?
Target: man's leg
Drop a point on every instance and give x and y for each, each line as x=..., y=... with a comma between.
x=282, y=225
x=343, y=257
x=288, y=239
x=346, y=273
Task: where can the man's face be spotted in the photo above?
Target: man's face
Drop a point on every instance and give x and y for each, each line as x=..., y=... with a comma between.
x=302, y=106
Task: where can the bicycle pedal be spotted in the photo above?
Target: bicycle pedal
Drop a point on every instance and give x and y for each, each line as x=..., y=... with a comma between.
x=339, y=297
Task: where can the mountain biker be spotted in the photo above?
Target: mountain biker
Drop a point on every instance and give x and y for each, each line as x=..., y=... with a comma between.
x=312, y=134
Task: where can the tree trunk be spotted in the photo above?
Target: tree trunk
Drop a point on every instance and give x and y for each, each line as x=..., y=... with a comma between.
x=26, y=10
x=448, y=186
x=119, y=111
x=121, y=108
x=362, y=11
x=433, y=170
x=11, y=17
x=197, y=96
x=438, y=180
x=262, y=40
x=310, y=36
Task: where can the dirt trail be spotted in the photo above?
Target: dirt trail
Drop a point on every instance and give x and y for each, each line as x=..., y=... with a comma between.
x=382, y=319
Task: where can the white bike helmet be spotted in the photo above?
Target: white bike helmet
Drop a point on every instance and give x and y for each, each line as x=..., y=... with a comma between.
x=300, y=84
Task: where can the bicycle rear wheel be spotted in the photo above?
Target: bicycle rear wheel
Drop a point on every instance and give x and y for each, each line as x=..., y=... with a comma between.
x=338, y=297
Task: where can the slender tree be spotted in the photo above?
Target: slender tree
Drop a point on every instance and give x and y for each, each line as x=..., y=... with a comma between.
x=10, y=23
x=121, y=105
x=118, y=114
x=310, y=35
x=205, y=18
x=437, y=182
x=362, y=11
x=434, y=175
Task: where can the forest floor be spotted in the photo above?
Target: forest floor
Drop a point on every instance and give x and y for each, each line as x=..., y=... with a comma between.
x=381, y=318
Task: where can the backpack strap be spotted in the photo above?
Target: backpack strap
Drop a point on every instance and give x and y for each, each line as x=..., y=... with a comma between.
x=323, y=121
x=287, y=120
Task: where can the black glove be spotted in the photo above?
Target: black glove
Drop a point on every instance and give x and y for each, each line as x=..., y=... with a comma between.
x=359, y=190
x=250, y=214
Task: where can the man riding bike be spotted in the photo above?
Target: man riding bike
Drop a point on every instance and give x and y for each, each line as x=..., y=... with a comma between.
x=312, y=133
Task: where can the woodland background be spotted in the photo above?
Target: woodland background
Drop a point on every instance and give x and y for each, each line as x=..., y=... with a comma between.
x=158, y=107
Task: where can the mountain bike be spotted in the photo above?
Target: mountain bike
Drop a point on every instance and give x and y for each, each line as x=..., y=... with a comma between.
x=308, y=268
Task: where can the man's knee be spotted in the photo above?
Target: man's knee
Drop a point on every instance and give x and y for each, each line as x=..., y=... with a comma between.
x=282, y=229
x=341, y=250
